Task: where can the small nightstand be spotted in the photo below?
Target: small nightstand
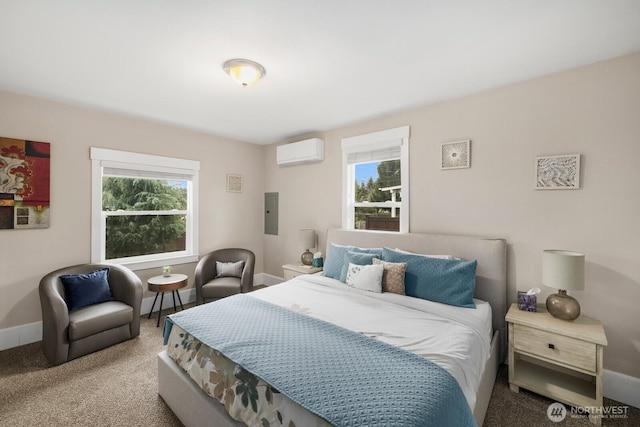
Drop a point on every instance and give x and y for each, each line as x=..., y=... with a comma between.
x=556, y=358
x=293, y=270
x=162, y=284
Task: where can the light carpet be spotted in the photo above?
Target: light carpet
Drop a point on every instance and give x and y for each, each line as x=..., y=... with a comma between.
x=118, y=387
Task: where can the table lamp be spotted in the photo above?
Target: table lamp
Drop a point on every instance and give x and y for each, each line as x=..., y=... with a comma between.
x=563, y=270
x=307, y=237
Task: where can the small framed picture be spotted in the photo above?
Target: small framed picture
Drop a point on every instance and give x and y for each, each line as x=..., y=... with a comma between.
x=557, y=172
x=234, y=183
x=456, y=155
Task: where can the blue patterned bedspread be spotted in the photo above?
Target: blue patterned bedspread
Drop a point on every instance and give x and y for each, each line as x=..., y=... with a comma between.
x=344, y=377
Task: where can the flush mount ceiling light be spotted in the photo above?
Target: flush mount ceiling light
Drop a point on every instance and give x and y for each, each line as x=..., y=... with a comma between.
x=243, y=71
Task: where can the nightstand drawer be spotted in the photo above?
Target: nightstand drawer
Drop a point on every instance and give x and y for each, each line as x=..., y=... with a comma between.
x=295, y=270
x=566, y=350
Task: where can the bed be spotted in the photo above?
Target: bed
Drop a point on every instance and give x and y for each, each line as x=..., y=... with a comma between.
x=324, y=302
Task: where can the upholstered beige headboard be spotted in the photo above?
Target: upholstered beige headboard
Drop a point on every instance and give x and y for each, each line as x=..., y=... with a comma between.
x=491, y=254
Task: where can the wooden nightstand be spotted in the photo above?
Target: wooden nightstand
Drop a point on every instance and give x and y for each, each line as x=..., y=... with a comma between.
x=293, y=270
x=556, y=358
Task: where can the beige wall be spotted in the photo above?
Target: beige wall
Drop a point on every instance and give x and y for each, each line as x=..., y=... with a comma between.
x=594, y=111
x=226, y=219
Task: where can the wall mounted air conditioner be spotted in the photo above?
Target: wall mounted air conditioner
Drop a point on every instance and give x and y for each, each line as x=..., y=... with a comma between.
x=309, y=150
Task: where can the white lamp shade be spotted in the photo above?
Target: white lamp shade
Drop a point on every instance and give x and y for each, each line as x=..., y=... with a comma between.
x=307, y=238
x=563, y=269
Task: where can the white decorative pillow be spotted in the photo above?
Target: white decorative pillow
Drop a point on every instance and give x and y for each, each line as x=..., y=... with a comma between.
x=365, y=277
x=229, y=269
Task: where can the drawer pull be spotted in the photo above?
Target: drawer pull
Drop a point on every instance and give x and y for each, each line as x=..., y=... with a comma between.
x=552, y=347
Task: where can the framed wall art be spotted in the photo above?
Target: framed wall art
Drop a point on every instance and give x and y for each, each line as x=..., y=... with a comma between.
x=456, y=155
x=234, y=183
x=24, y=183
x=557, y=172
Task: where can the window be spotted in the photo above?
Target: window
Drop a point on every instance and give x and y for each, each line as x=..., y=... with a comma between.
x=144, y=209
x=375, y=185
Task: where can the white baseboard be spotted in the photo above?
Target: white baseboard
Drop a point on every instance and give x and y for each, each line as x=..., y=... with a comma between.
x=621, y=387
x=20, y=335
x=186, y=295
x=266, y=279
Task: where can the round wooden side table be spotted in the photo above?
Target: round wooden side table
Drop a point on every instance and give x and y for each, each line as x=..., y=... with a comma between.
x=162, y=284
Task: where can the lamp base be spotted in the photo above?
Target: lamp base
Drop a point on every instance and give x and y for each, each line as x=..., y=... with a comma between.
x=306, y=257
x=563, y=306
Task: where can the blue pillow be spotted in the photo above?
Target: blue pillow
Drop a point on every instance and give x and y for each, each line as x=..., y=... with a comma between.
x=448, y=281
x=358, y=258
x=82, y=290
x=335, y=258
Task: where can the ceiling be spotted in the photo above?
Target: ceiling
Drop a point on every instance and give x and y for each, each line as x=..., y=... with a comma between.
x=329, y=63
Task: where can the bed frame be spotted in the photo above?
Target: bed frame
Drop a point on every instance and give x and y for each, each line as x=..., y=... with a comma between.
x=195, y=408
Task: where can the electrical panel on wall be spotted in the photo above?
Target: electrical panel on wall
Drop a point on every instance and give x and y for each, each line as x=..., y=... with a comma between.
x=271, y=213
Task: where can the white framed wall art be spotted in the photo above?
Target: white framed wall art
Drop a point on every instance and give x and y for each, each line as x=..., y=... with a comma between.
x=557, y=172
x=234, y=183
x=455, y=155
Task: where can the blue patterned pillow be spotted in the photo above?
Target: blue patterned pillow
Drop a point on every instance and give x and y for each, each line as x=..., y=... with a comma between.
x=448, y=281
x=81, y=290
x=357, y=258
x=335, y=258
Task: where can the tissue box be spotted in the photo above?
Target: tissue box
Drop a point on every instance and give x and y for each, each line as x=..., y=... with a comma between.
x=526, y=302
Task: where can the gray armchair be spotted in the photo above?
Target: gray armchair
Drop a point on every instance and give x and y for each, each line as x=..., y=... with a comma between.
x=68, y=335
x=209, y=286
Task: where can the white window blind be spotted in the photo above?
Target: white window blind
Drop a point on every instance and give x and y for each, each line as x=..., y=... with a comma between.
x=378, y=155
x=139, y=173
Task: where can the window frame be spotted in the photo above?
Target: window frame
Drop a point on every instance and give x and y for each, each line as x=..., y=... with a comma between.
x=152, y=165
x=397, y=137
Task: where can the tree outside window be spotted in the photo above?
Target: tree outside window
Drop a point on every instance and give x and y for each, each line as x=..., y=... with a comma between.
x=143, y=216
x=378, y=195
x=144, y=209
x=375, y=185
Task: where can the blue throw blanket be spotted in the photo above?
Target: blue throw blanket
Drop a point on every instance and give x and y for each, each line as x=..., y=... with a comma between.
x=344, y=377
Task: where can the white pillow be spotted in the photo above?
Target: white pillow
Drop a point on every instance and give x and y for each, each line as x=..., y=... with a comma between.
x=365, y=277
x=229, y=269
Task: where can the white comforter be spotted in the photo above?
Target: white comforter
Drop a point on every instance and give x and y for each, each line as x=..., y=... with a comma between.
x=457, y=339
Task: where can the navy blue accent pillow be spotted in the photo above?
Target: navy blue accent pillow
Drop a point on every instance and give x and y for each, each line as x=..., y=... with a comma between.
x=359, y=258
x=448, y=281
x=335, y=258
x=82, y=290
